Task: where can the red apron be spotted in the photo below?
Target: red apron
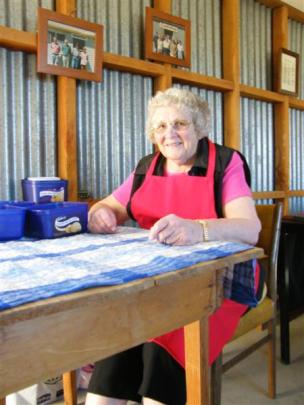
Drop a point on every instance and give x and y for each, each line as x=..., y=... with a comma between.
x=188, y=197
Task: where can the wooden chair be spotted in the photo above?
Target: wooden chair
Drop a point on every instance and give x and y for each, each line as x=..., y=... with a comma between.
x=262, y=317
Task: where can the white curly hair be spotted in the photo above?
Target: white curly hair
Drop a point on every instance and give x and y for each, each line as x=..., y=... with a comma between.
x=181, y=99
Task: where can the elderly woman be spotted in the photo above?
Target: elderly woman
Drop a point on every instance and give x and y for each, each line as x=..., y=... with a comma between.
x=178, y=193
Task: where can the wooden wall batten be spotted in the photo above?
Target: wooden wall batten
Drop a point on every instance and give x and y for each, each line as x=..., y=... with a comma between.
x=281, y=110
x=66, y=110
x=231, y=70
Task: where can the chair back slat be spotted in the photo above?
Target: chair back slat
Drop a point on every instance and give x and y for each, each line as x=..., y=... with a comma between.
x=270, y=217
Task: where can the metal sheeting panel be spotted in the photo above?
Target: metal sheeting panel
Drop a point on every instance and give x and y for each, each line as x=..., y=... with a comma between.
x=215, y=102
x=111, y=130
x=296, y=205
x=257, y=142
x=205, y=17
x=255, y=44
x=296, y=152
x=22, y=14
x=123, y=22
x=27, y=108
x=296, y=44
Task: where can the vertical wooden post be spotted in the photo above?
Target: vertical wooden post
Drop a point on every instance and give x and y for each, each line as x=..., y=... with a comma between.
x=281, y=110
x=231, y=71
x=165, y=81
x=163, y=5
x=66, y=116
x=67, y=160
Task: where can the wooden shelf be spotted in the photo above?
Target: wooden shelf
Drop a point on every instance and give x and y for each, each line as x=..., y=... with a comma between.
x=261, y=94
x=18, y=40
x=132, y=65
x=196, y=79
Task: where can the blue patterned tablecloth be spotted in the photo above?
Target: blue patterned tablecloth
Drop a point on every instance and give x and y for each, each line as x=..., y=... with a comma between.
x=35, y=270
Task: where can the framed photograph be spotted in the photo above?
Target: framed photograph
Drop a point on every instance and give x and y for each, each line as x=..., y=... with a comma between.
x=167, y=38
x=69, y=46
x=288, y=72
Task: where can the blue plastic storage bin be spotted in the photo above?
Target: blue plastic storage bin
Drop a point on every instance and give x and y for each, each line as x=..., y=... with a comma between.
x=12, y=219
x=44, y=189
x=53, y=220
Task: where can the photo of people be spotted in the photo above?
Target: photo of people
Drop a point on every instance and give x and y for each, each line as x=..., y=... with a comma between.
x=70, y=47
x=168, y=39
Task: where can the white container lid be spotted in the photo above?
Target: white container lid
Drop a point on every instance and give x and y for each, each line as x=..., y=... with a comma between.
x=42, y=178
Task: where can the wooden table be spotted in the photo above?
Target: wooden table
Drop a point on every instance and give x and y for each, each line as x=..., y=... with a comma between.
x=49, y=337
x=289, y=283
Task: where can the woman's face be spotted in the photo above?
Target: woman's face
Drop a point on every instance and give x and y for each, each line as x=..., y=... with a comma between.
x=175, y=135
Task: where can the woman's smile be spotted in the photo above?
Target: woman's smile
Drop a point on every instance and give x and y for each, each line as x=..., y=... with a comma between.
x=175, y=137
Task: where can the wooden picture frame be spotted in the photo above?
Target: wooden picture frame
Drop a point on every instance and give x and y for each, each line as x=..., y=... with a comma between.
x=175, y=32
x=288, y=72
x=69, y=46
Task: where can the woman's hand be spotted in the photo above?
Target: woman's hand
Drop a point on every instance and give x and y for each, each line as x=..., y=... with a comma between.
x=173, y=230
x=102, y=220
x=105, y=215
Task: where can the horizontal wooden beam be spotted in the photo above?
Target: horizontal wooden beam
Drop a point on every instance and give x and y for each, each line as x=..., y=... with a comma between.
x=260, y=94
x=260, y=195
x=296, y=103
x=132, y=65
x=196, y=79
x=293, y=13
x=295, y=193
x=18, y=40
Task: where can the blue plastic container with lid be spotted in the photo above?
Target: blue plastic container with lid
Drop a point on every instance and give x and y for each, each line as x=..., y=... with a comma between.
x=12, y=220
x=44, y=189
x=53, y=220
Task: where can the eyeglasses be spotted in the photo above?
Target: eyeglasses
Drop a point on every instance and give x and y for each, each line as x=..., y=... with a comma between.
x=177, y=125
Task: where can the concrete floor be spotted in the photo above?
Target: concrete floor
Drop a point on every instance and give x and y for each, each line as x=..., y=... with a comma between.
x=246, y=383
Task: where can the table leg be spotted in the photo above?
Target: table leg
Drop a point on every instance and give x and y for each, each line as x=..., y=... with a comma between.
x=69, y=388
x=197, y=367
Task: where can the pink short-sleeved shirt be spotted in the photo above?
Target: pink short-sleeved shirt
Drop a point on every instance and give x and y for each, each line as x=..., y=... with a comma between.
x=234, y=183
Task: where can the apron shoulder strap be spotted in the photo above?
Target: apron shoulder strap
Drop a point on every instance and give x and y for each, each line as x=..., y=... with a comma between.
x=139, y=177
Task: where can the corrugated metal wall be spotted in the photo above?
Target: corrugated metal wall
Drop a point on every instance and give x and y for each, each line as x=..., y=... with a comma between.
x=255, y=44
x=111, y=114
x=111, y=130
x=27, y=106
x=296, y=122
x=257, y=140
x=123, y=22
x=296, y=44
x=205, y=16
x=296, y=161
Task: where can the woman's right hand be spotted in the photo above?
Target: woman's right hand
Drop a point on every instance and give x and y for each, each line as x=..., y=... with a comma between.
x=102, y=220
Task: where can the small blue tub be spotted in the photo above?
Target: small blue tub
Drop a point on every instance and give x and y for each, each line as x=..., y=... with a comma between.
x=12, y=220
x=53, y=220
x=44, y=189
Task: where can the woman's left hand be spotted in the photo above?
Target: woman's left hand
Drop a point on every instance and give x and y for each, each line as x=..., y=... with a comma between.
x=173, y=230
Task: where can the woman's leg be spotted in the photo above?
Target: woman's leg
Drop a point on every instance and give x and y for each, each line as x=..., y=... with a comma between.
x=94, y=399
x=149, y=401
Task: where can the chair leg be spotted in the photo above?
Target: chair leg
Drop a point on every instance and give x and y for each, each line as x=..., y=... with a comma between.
x=216, y=381
x=69, y=388
x=272, y=361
